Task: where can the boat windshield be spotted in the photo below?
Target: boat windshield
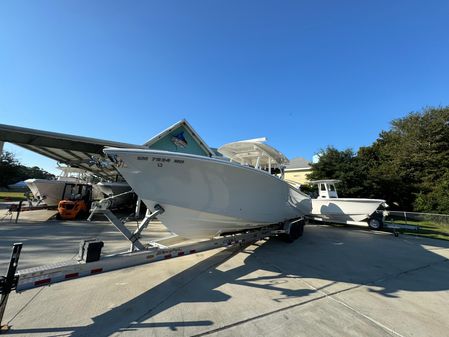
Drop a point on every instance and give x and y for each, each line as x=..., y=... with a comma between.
x=326, y=188
x=255, y=153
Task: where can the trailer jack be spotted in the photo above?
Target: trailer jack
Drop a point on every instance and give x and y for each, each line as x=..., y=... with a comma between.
x=9, y=282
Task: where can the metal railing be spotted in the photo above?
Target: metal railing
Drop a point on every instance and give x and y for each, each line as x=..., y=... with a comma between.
x=430, y=224
x=441, y=219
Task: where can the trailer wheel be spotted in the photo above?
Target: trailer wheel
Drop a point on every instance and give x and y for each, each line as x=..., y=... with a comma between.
x=82, y=215
x=296, y=231
x=375, y=224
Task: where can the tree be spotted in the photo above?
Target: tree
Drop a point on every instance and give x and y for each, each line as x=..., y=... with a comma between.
x=408, y=165
x=33, y=172
x=11, y=171
x=414, y=159
x=341, y=165
x=8, y=168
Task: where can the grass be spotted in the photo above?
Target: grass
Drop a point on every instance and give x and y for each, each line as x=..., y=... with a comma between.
x=427, y=229
x=12, y=196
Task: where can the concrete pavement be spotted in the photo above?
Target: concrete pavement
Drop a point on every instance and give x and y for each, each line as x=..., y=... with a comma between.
x=331, y=282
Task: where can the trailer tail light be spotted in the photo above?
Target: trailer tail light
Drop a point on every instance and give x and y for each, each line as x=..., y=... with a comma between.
x=45, y=281
x=72, y=275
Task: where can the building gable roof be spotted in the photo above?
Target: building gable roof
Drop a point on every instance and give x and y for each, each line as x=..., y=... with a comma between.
x=166, y=138
x=298, y=163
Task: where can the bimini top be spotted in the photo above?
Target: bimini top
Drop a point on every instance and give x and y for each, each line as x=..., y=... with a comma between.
x=254, y=152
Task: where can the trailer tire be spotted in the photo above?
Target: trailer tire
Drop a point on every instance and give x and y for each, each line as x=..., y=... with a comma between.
x=375, y=224
x=300, y=230
x=296, y=231
x=82, y=215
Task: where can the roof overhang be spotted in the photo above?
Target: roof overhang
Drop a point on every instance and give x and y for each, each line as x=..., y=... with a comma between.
x=75, y=151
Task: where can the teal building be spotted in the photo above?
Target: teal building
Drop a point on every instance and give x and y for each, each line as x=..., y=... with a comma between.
x=180, y=137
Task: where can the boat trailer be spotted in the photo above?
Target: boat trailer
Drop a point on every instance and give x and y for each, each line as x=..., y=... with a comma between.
x=90, y=262
x=377, y=221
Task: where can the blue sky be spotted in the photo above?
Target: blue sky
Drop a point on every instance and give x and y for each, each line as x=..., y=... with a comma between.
x=305, y=74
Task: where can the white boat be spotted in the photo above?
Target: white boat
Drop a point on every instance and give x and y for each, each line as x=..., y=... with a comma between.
x=330, y=208
x=204, y=197
x=113, y=188
x=110, y=189
x=50, y=191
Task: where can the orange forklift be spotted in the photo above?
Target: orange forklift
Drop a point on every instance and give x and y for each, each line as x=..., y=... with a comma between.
x=76, y=201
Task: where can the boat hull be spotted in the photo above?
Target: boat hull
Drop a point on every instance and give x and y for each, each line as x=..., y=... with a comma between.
x=204, y=197
x=344, y=210
x=49, y=191
x=114, y=188
x=110, y=189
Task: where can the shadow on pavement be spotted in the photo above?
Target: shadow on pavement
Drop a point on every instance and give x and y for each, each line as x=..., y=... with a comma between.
x=337, y=257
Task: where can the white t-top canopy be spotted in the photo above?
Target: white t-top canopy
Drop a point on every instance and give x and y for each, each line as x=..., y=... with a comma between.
x=66, y=170
x=254, y=152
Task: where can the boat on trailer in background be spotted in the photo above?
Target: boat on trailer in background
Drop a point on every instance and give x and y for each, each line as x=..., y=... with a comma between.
x=203, y=197
x=119, y=192
x=50, y=192
x=328, y=207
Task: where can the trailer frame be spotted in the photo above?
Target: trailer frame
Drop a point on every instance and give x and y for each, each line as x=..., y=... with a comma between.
x=138, y=254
